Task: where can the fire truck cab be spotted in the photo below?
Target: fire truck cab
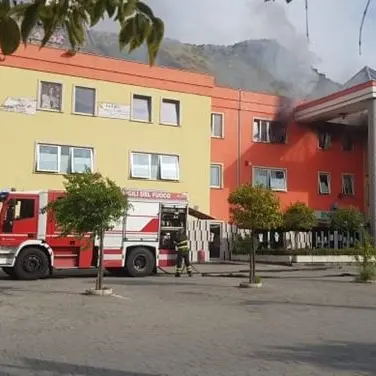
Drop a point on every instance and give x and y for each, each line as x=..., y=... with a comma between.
x=31, y=246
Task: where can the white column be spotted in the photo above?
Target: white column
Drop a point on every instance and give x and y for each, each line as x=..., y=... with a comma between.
x=372, y=164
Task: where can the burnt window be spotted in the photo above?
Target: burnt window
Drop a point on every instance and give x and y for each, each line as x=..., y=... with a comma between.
x=273, y=132
x=348, y=186
x=347, y=142
x=277, y=133
x=325, y=140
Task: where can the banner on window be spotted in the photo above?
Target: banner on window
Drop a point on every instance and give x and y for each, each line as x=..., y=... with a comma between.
x=114, y=110
x=20, y=105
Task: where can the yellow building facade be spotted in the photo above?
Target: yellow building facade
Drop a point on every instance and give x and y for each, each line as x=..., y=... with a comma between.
x=63, y=115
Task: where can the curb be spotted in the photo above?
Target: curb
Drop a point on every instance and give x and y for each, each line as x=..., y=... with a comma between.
x=106, y=291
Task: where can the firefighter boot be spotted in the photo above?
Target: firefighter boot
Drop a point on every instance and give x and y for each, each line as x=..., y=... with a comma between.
x=189, y=271
x=177, y=274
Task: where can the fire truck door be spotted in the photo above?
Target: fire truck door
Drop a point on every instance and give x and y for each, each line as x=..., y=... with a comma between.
x=20, y=220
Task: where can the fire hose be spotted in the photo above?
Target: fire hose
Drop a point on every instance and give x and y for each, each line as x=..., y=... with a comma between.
x=183, y=270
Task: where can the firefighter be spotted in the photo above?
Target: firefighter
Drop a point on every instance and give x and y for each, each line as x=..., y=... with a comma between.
x=183, y=253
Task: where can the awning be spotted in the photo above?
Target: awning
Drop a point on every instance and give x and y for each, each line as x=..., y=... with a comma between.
x=337, y=105
x=199, y=215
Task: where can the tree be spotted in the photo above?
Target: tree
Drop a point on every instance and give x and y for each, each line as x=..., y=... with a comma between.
x=299, y=217
x=138, y=24
x=348, y=219
x=90, y=205
x=366, y=260
x=255, y=209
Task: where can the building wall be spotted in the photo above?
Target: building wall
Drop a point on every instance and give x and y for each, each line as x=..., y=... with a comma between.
x=300, y=156
x=112, y=140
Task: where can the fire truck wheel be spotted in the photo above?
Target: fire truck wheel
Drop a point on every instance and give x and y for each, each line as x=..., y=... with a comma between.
x=32, y=263
x=9, y=272
x=140, y=262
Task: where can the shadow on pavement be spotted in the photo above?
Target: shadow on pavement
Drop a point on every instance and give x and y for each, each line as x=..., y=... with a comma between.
x=47, y=367
x=339, y=356
x=305, y=304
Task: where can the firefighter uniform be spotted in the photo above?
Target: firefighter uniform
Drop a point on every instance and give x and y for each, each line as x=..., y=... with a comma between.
x=183, y=255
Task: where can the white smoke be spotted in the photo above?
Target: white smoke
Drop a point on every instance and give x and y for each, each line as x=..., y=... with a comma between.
x=334, y=27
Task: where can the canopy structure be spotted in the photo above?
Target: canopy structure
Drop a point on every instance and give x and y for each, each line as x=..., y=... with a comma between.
x=199, y=215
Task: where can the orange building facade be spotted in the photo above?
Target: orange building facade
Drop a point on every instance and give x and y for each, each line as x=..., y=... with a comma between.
x=321, y=164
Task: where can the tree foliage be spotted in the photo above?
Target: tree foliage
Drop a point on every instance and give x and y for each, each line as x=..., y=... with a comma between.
x=347, y=219
x=255, y=208
x=366, y=259
x=299, y=217
x=138, y=24
x=91, y=205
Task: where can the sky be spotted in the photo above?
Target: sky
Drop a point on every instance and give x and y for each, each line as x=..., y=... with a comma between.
x=333, y=26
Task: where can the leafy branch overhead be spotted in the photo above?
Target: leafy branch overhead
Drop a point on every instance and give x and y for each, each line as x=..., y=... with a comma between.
x=138, y=24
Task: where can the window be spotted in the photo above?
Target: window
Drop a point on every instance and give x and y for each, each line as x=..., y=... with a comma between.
x=141, y=108
x=170, y=112
x=24, y=208
x=217, y=130
x=155, y=166
x=50, y=96
x=216, y=176
x=272, y=178
x=348, y=188
x=347, y=144
x=324, y=183
x=63, y=159
x=18, y=210
x=84, y=100
x=325, y=140
x=273, y=132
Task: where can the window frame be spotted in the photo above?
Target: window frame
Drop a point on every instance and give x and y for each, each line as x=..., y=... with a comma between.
x=329, y=176
x=268, y=141
x=318, y=140
x=74, y=112
x=220, y=165
x=150, y=98
x=37, y=169
x=269, y=171
x=222, y=125
x=159, y=155
x=132, y=154
x=352, y=184
x=23, y=199
x=178, y=102
x=39, y=92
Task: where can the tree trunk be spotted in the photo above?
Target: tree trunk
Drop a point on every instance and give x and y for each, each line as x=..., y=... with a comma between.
x=252, y=260
x=100, y=271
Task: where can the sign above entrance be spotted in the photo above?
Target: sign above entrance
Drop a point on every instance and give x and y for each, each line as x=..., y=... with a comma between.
x=149, y=194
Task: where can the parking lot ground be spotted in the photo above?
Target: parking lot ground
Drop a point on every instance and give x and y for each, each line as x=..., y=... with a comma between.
x=302, y=322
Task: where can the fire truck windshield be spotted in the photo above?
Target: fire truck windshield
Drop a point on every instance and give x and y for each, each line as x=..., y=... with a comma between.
x=3, y=195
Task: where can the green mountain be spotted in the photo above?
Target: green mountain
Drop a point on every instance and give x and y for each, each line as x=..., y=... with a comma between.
x=253, y=65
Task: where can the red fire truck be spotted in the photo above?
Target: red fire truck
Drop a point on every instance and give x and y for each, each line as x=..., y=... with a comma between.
x=31, y=246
